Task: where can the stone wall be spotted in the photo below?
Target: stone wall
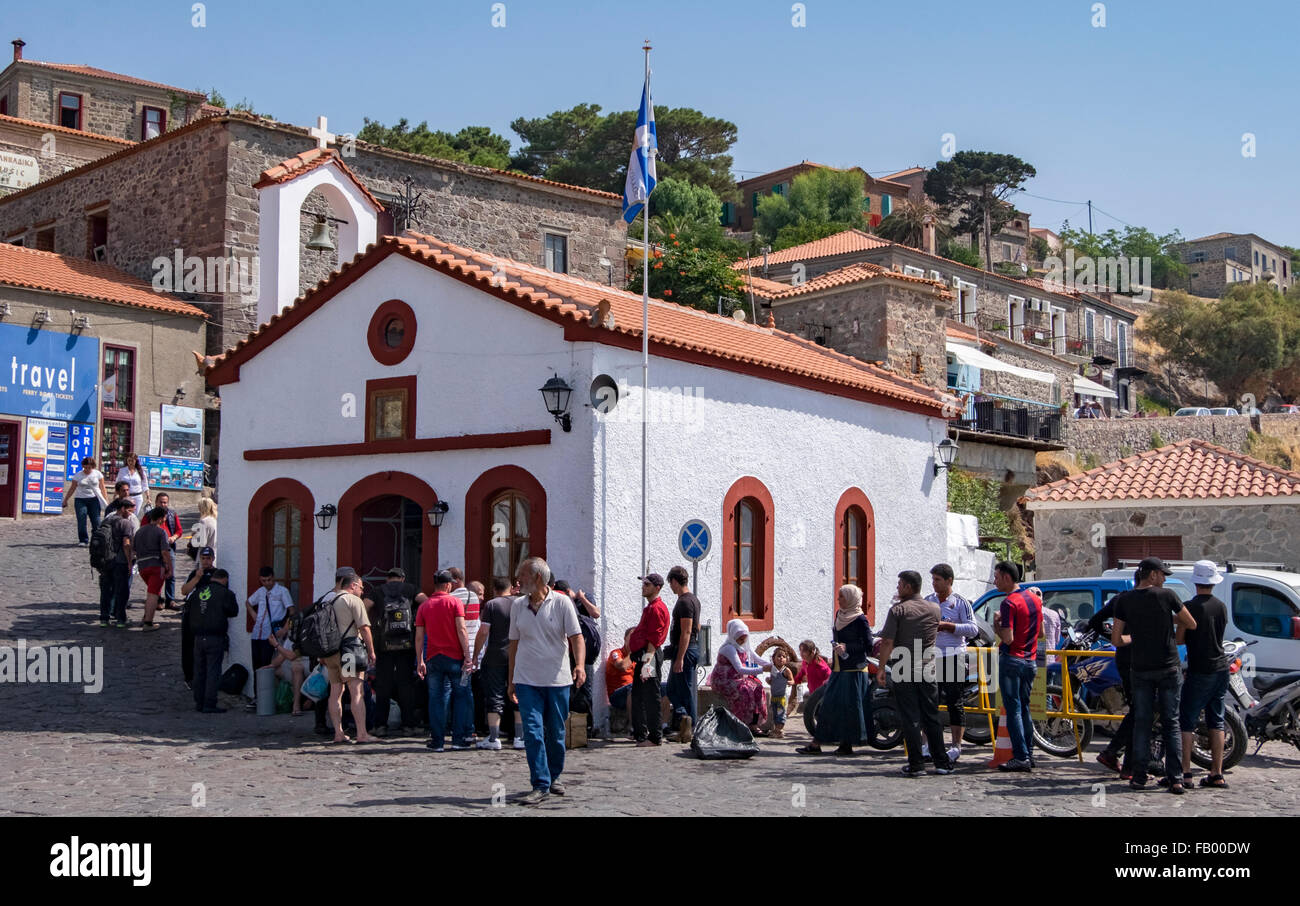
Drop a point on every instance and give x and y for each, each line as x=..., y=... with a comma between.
x=107, y=108
x=1110, y=439
x=875, y=322
x=1286, y=427
x=67, y=154
x=1005, y=384
x=1261, y=532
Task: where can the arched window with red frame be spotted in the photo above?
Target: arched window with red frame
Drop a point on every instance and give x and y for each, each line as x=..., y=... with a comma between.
x=855, y=548
x=748, y=549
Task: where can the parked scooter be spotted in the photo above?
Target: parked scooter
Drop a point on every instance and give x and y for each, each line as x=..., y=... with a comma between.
x=1273, y=717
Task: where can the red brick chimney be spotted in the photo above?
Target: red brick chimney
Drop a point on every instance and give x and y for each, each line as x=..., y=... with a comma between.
x=928, y=233
x=18, y=44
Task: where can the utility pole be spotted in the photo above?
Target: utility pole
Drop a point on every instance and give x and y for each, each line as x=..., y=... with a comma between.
x=1089, y=216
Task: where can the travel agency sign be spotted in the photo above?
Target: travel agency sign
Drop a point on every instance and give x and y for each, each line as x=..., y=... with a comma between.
x=45, y=374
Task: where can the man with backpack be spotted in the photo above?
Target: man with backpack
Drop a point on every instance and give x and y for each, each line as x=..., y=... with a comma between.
x=154, y=559
x=110, y=553
x=208, y=611
x=392, y=612
x=335, y=630
x=580, y=697
x=171, y=524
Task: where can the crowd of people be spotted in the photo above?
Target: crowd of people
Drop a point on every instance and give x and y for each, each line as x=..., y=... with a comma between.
x=509, y=668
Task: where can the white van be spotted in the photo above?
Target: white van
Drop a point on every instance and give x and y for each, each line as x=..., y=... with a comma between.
x=1263, y=608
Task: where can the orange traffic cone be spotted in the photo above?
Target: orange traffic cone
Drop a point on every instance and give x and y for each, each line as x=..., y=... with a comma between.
x=1002, y=752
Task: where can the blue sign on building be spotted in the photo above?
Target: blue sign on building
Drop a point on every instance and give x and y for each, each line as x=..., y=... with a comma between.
x=47, y=374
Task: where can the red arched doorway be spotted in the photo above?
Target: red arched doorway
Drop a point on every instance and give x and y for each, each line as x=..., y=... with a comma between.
x=382, y=524
x=281, y=534
x=505, y=522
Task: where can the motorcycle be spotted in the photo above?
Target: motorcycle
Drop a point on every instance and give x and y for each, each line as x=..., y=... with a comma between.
x=1273, y=717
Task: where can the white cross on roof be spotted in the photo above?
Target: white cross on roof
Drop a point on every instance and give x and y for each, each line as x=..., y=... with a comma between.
x=322, y=135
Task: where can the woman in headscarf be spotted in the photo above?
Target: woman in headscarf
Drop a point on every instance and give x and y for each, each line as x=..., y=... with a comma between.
x=735, y=678
x=845, y=712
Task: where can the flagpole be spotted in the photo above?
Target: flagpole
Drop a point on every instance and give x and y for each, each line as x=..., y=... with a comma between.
x=645, y=339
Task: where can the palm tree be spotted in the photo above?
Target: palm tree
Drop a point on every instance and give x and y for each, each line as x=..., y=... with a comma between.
x=906, y=225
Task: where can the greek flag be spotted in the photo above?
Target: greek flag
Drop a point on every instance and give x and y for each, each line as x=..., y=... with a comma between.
x=641, y=166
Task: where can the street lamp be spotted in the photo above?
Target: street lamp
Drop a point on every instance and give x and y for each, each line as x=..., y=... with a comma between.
x=944, y=455
x=436, y=512
x=325, y=515
x=555, y=394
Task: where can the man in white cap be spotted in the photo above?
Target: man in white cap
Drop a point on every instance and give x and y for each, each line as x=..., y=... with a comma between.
x=1207, y=671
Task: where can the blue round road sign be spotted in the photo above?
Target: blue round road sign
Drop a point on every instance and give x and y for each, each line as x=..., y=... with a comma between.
x=695, y=540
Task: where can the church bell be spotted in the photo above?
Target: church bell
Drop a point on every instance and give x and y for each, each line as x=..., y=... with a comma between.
x=320, y=237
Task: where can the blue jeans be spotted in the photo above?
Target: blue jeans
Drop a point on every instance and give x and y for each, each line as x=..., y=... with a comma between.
x=443, y=678
x=1016, y=681
x=86, y=507
x=618, y=698
x=681, y=686
x=1152, y=688
x=1203, y=692
x=543, y=710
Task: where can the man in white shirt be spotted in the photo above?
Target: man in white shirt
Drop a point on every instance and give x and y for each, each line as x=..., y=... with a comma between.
x=267, y=608
x=543, y=630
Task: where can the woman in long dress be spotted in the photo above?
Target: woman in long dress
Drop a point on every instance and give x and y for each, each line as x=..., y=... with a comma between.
x=845, y=712
x=735, y=678
x=137, y=479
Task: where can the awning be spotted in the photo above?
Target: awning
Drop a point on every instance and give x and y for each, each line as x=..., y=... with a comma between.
x=1085, y=387
x=968, y=355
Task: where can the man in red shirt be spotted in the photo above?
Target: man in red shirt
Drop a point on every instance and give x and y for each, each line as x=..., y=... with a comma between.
x=643, y=646
x=442, y=656
x=1018, y=623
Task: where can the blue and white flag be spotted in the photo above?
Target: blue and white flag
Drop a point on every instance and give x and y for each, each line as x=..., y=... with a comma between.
x=641, y=166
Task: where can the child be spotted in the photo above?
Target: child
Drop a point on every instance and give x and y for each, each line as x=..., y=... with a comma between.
x=813, y=668
x=780, y=680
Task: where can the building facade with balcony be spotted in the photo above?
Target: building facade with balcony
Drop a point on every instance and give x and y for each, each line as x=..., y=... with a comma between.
x=1216, y=262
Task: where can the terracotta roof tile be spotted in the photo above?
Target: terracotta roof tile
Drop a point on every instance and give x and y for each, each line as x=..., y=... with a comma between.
x=572, y=300
x=31, y=269
x=80, y=69
x=840, y=244
x=64, y=130
x=843, y=276
x=1187, y=470
x=307, y=161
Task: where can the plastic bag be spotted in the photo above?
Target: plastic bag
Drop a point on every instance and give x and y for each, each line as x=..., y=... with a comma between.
x=720, y=734
x=316, y=686
x=283, y=697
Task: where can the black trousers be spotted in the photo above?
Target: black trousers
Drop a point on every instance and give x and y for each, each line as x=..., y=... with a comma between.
x=209, y=650
x=918, y=708
x=645, y=700
x=395, y=678
x=953, y=689
x=1123, y=738
x=187, y=650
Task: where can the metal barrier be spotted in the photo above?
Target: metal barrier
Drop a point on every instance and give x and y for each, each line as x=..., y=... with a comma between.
x=1067, y=693
x=985, y=705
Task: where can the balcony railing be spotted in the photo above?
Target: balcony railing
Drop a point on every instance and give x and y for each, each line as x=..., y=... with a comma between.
x=1098, y=347
x=990, y=415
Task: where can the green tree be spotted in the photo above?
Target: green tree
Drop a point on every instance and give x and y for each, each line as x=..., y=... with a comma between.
x=955, y=251
x=689, y=275
x=1167, y=268
x=820, y=203
x=583, y=147
x=975, y=186
x=906, y=225
x=477, y=145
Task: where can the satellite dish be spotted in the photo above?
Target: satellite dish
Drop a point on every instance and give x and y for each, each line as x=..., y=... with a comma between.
x=739, y=314
x=1024, y=268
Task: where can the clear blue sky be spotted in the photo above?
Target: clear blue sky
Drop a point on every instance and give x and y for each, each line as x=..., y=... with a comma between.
x=1144, y=116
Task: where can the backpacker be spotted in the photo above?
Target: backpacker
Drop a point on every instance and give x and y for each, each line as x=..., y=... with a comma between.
x=103, y=550
x=397, y=632
x=316, y=633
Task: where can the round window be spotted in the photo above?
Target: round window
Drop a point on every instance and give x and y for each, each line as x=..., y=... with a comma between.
x=394, y=333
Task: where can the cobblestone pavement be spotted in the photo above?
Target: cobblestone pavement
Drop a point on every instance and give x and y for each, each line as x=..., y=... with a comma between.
x=138, y=747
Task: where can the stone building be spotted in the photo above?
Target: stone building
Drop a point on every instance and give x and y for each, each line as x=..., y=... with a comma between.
x=95, y=101
x=91, y=362
x=1190, y=500
x=32, y=151
x=1216, y=262
x=190, y=193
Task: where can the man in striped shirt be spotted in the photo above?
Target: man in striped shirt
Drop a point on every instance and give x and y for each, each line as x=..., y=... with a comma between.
x=956, y=625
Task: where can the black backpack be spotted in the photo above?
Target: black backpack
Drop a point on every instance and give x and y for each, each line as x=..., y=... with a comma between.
x=590, y=638
x=397, y=628
x=316, y=633
x=103, y=550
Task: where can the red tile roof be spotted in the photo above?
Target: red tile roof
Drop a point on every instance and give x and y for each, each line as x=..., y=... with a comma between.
x=81, y=69
x=30, y=269
x=843, y=243
x=1187, y=470
x=676, y=331
x=64, y=130
x=840, y=277
x=307, y=161
x=908, y=172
